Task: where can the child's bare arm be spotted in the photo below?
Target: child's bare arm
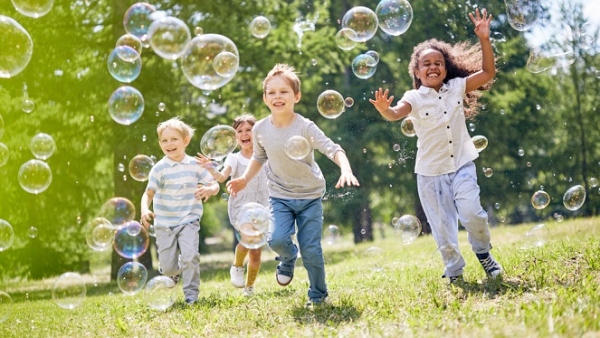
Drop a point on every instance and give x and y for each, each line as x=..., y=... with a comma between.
x=147, y=214
x=382, y=104
x=488, y=66
x=346, y=176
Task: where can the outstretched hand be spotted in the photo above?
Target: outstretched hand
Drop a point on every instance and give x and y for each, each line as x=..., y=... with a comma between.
x=347, y=179
x=204, y=161
x=235, y=185
x=482, y=23
x=382, y=102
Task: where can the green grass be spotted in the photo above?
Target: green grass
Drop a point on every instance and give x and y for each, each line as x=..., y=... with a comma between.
x=547, y=291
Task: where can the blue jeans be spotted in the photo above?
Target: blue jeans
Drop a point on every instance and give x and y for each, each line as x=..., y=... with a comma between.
x=307, y=214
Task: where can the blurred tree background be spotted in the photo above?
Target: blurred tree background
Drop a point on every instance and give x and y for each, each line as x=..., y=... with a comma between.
x=541, y=127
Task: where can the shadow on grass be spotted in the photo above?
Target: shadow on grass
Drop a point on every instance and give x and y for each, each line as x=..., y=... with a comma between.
x=328, y=314
x=496, y=287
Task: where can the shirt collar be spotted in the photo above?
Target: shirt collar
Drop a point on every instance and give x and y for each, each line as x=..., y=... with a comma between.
x=425, y=89
x=170, y=162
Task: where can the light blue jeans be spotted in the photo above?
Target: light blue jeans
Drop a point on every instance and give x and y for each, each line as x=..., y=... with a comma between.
x=448, y=198
x=307, y=215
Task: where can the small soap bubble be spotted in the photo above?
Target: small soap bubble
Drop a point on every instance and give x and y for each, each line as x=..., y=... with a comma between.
x=346, y=38
x=394, y=16
x=364, y=66
x=121, y=167
x=497, y=206
x=139, y=167
x=471, y=127
x=27, y=106
x=297, y=147
x=540, y=199
x=374, y=55
x=131, y=241
x=332, y=234
x=226, y=64
x=132, y=277
x=169, y=37
x=536, y=236
x=330, y=104
x=521, y=152
x=574, y=197
x=42, y=146
x=363, y=21
x=5, y=309
x=480, y=142
x=397, y=147
x=225, y=196
x=314, y=62
x=7, y=235
x=488, y=172
x=260, y=27
x=522, y=14
x=126, y=105
x=593, y=182
x=408, y=127
x=197, y=61
x=408, y=228
x=132, y=41
x=218, y=142
x=198, y=30
x=348, y=102
x=137, y=19
x=159, y=293
x=124, y=64
x=32, y=232
x=99, y=234
x=162, y=106
x=118, y=211
x=35, y=176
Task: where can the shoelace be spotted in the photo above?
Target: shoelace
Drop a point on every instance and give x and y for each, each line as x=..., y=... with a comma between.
x=489, y=264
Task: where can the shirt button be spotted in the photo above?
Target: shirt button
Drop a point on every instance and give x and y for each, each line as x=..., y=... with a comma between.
x=440, y=97
x=451, y=155
x=450, y=141
x=445, y=112
x=448, y=127
x=427, y=114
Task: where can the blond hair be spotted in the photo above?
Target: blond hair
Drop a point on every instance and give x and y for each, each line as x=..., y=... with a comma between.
x=289, y=75
x=175, y=123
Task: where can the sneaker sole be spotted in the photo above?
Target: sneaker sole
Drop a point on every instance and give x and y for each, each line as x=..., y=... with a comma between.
x=282, y=284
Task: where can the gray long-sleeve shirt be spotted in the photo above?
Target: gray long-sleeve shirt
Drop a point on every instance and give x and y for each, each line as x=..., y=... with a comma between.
x=288, y=178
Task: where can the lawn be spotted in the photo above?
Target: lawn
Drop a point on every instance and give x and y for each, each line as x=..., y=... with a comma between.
x=378, y=289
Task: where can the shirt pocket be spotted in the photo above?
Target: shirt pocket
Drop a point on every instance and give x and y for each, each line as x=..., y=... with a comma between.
x=428, y=115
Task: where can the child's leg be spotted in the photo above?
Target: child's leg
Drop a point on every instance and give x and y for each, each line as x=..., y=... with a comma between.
x=253, y=266
x=437, y=200
x=472, y=216
x=310, y=229
x=167, y=251
x=280, y=240
x=240, y=255
x=188, y=239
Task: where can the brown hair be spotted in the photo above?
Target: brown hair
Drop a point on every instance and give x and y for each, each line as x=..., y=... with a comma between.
x=288, y=73
x=243, y=118
x=462, y=59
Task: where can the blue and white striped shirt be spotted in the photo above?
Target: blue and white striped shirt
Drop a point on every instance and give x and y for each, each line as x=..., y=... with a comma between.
x=174, y=184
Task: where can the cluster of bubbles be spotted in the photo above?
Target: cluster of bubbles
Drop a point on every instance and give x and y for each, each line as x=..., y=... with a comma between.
x=297, y=147
x=407, y=228
x=253, y=225
x=35, y=175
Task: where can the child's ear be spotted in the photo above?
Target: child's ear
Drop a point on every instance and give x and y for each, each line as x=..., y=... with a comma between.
x=298, y=96
x=187, y=140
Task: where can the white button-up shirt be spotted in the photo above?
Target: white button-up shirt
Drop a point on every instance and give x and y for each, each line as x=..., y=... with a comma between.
x=444, y=144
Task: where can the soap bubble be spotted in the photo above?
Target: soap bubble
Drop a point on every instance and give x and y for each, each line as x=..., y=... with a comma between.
x=364, y=66
x=363, y=21
x=132, y=277
x=17, y=47
x=1, y=126
x=33, y=8
x=132, y=240
x=126, y=105
x=137, y=19
x=332, y=234
x=260, y=27
x=480, y=142
x=536, y=236
x=99, y=234
x=7, y=235
x=131, y=41
x=330, y=104
x=522, y=14
x=169, y=37
x=4, y=154
x=408, y=227
x=539, y=61
x=5, y=310
x=32, y=232
x=197, y=61
x=408, y=127
x=297, y=147
x=574, y=197
x=218, y=142
x=27, y=105
x=69, y=290
x=139, y=167
x=226, y=64
x=374, y=55
x=124, y=64
x=253, y=224
x=42, y=146
x=488, y=172
x=35, y=176
x=348, y=102
x=373, y=258
x=394, y=16
x=158, y=295
x=540, y=199
x=118, y=211
x=346, y=38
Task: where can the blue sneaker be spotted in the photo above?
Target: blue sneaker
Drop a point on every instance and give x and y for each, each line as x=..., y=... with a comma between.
x=191, y=301
x=316, y=302
x=492, y=268
x=285, y=272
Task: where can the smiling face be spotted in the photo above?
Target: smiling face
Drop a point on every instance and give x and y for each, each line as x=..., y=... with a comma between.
x=279, y=95
x=243, y=135
x=431, y=69
x=173, y=144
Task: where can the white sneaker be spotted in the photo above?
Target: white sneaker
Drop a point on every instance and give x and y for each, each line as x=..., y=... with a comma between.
x=237, y=276
x=248, y=291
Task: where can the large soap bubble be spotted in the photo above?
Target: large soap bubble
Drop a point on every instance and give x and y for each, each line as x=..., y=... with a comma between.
x=522, y=14
x=132, y=277
x=226, y=64
x=17, y=47
x=99, y=234
x=139, y=167
x=253, y=223
x=4, y=154
x=137, y=19
x=118, y=211
x=346, y=38
x=33, y=8
x=218, y=142
x=394, y=16
x=168, y=37
x=42, y=146
x=132, y=41
x=574, y=197
x=408, y=228
x=132, y=240
x=7, y=235
x=126, y=105
x=260, y=27
x=35, y=176
x=69, y=290
x=124, y=64
x=197, y=61
x=158, y=294
x=363, y=21
x=297, y=147
x=331, y=104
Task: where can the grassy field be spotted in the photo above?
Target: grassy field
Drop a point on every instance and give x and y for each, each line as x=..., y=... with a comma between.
x=551, y=290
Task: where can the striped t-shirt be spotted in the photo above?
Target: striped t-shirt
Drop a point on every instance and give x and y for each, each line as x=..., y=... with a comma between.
x=174, y=184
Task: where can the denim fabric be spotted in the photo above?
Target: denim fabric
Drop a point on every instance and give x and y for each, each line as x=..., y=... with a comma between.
x=448, y=198
x=307, y=215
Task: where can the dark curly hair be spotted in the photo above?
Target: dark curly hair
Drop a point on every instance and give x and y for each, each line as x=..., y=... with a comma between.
x=462, y=59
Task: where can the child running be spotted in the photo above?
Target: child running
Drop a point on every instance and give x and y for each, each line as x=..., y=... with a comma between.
x=445, y=78
x=256, y=191
x=172, y=184
x=296, y=187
